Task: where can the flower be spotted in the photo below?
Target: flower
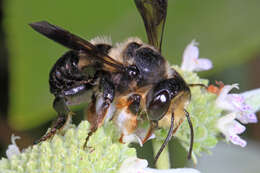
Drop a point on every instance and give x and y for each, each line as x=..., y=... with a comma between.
x=191, y=60
x=135, y=165
x=231, y=128
x=13, y=148
x=236, y=103
x=237, y=107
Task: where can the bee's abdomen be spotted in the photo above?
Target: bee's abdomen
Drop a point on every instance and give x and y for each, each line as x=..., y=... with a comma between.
x=65, y=73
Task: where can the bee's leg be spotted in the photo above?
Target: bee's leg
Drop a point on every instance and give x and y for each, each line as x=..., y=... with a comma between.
x=99, y=107
x=92, y=119
x=177, y=125
x=64, y=114
x=167, y=139
x=96, y=116
x=127, y=118
x=191, y=133
x=134, y=105
x=153, y=126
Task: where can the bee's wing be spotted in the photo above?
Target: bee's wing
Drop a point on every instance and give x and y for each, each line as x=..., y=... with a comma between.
x=153, y=13
x=74, y=42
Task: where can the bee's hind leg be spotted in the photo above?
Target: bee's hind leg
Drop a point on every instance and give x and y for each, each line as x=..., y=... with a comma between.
x=64, y=115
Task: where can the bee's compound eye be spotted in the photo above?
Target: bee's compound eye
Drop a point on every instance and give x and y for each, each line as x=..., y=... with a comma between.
x=158, y=106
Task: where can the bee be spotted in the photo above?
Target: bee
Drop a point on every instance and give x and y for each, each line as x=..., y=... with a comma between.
x=122, y=81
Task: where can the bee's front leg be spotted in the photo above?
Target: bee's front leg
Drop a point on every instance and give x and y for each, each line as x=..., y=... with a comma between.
x=100, y=107
x=153, y=126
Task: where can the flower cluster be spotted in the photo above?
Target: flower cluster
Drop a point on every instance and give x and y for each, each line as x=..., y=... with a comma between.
x=234, y=106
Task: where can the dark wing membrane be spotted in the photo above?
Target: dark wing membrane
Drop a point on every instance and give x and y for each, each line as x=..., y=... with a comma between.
x=154, y=14
x=74, y=42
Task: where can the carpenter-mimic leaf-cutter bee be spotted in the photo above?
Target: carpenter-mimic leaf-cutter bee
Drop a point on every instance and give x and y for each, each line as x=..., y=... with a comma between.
x=124, y=80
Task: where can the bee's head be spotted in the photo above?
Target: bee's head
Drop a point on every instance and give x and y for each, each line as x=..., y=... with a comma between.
x=162, y=95
x=165, y=105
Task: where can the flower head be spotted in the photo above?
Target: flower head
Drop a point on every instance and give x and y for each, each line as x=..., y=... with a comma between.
x=236, y=103
x=191, y=60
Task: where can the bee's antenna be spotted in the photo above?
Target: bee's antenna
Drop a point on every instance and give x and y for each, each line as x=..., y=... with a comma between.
x=168, y=138
x=191, y=133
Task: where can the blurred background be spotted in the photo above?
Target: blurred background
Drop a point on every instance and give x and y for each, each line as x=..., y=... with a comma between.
x=228, y=32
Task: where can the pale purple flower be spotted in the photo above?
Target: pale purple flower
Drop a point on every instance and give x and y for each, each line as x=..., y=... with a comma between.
x=237, y=108
x=191, y=60
x=135, y=165
x=231, y=129
x=236, y=103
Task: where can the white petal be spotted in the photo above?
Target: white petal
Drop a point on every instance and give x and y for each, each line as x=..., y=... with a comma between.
x=246, y=118
x=251, y=118
x=224, y=101
x=235, y=139
x=202, y=64
x=225, y=90
x=238, y=101
x=236, y=128
x=191, y=51
x=223, y=123
x=226, y=119
x=190, y=55
x=12, y=148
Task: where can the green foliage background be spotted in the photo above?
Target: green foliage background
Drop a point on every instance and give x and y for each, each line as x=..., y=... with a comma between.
x=227, y=30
